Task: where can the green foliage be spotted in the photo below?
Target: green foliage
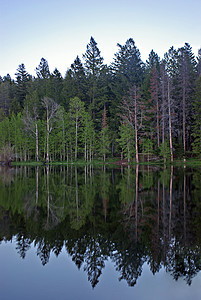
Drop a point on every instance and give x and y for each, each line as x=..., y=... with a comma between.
x=104, y=142
x=164, y=151
x=100, y=87
x=126, y=140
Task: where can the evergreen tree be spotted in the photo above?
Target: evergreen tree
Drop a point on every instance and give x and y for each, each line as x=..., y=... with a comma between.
x=55, y=86
x=42, y=71
x=93, y=64
x=75, y=84
x=43, y=75
x=187, y=72
x=199, y=63
x=127, y=68
x=22, y=79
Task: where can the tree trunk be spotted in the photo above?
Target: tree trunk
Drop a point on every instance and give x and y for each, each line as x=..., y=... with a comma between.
x=36, y=133
x=48, y=132
x=136, y=129
x=184, y=115
x=170, y=123
x=76, y=125
x=157, y=117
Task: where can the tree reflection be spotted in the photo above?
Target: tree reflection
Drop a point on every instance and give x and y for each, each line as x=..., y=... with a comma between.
x=131, y=216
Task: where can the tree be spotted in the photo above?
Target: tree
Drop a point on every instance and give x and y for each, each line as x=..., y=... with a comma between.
x=187, y=68
x=104, y=137
x=197, y=119
x=127, y=68
x=170, y=122
x=75, y=84
x=42, y=71
x=22, y=79
x=51, y=108
x=42, y=81
x=154, y=91
x=56, y=86
x=93, y=64
x=153, y=61
x=88, y=137
x=130, y=113
x=199, y=63
x=76, y=113
x=31, y=117
x=5, y=98
x=126, y=139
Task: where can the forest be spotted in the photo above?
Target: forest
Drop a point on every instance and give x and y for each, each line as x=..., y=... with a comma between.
x=133, y=110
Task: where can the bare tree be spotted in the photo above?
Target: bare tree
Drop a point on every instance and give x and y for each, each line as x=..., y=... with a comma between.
x=51, y=109
x=170, y=122
x=131, y=113
x=31, y=124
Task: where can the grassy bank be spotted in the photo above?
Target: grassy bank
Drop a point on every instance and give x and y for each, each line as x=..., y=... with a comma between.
x=112, y=161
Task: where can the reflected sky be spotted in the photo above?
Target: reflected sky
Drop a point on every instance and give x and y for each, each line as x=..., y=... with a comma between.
x=110, y=223
x=60, y=279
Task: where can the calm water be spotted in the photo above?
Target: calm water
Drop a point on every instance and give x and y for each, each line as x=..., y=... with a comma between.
x=94, y=233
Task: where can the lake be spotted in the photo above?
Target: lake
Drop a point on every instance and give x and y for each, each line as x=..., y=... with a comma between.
x=68, y=232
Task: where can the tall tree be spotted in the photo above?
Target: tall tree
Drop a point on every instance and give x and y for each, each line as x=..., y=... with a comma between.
x=31, y=117
x=75, y=84
x=76, y=113
x=104, y=137
x=131, y=114
x=56, y=86
x=22, y=78
x=187, y=67
x=127, y=68
x=51, y=108
x=154, y=90
x=42, y=71
x=199, y=63
x=93, y=64
x=197, y=119
x=43, y=75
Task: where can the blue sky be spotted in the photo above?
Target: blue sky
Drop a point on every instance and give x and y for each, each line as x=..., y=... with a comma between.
x=59, y=30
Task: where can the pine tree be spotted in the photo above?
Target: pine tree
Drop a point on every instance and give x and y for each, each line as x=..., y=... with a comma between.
x=199, y=63
x=55, y=86
x=75, y=84
x=22, y=79
x=43, y=75
x=93, y=64
x=127, y=68
x=187, y=72
x=42, y=71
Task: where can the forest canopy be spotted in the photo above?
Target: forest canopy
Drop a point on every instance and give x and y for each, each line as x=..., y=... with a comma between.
x=129, y=109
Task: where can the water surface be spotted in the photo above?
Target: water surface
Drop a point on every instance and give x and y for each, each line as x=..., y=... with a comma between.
x=94, y=233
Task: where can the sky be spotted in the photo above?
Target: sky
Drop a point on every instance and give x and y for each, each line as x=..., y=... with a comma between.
x=59, y=30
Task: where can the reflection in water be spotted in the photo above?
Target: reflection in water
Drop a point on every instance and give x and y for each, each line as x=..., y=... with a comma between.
x=131, y=216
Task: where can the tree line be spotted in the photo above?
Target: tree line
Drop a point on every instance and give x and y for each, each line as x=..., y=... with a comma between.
x=128, y=109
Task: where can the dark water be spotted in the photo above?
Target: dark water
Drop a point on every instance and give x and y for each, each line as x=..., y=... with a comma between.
x=94, y=233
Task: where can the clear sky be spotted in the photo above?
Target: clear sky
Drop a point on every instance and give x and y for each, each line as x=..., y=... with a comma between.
x=59, y=30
